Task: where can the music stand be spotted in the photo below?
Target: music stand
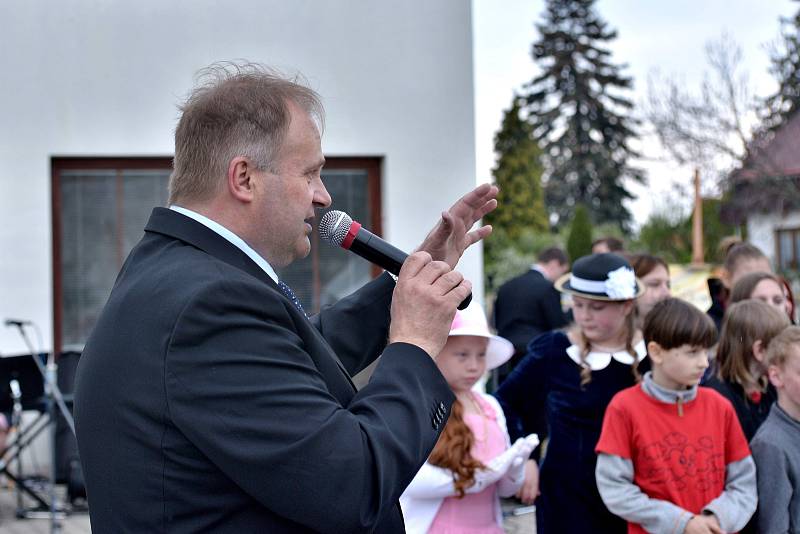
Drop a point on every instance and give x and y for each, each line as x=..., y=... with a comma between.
x=24, y=370
x=54, y=401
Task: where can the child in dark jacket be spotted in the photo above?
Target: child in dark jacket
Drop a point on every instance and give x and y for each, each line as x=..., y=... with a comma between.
x=672, y=456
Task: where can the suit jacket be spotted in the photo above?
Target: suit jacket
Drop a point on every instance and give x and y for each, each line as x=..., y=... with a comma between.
x=527, y=306
x=206, y=402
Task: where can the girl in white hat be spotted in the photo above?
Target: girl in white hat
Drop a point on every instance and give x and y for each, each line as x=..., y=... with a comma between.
x=473, y=463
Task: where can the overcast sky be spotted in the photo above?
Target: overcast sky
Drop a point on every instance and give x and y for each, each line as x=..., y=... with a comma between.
x=667, y=36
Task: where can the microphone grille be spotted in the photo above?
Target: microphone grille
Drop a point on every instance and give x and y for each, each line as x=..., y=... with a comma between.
x=333, y=227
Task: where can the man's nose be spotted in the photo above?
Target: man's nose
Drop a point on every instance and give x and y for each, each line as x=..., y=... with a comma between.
x=322, y=199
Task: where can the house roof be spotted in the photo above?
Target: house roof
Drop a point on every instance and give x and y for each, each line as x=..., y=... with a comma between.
x=769, y=180
x=773, y=157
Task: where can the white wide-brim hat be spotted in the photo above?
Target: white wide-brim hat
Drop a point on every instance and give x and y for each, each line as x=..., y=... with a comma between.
x=472, y=322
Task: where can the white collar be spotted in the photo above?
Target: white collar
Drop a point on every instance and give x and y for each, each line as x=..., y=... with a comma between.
x=538, y=269
x=600, y=360
x=234, y=239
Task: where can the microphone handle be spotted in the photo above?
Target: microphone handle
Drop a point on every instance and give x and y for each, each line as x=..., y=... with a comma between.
x=378, y=251
x=384, y=255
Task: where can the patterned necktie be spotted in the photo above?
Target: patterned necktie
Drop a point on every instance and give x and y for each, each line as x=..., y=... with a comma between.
x=286, y=290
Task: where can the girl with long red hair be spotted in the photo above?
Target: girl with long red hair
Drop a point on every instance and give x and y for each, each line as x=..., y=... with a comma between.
x=473, y=463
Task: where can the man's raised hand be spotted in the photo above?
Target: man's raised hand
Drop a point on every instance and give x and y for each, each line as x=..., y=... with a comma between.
x=452, y=236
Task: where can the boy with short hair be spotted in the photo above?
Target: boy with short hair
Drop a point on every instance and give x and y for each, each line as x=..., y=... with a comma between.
x=776, y=445
x=672, y=457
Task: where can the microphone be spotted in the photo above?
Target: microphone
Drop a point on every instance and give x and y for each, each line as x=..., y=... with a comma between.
x=17, y=322
x=338, y=228
x=16, y=393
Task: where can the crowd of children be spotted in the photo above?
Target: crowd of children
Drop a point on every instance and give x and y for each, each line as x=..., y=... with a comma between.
x=651, y=411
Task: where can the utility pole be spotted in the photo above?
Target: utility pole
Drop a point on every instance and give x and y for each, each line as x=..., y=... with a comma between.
x=697, y=224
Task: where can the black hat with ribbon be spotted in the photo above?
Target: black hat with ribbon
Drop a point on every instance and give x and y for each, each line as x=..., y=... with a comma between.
x=604, y=276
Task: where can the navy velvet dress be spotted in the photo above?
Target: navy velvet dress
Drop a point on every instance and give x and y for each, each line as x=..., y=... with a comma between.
x=548, y=380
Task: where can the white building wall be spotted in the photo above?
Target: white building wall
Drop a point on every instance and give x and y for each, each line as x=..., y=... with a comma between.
x=103, y=78
x=761, y=229
x=760, y=232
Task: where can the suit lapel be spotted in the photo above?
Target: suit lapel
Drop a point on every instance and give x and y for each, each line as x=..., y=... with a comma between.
x=176, y=225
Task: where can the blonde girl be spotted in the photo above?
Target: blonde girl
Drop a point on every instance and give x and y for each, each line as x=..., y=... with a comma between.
x=571, y=377
x=740, y=373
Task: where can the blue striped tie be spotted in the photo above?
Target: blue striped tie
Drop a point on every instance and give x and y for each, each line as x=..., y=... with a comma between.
x=291, y=296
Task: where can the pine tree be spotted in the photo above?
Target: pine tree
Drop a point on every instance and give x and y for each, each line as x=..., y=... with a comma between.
x=579, y=116
x=520, y=203
x=785, y=67
x=579, y=242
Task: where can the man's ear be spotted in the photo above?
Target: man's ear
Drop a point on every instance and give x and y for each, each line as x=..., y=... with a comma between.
x=655, y=352
x=240, y=178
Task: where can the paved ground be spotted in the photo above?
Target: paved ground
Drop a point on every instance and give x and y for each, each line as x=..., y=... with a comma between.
x=518, y=518
x=73, y=523
x=78, y=523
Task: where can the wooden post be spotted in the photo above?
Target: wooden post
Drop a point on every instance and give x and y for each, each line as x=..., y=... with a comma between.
x=697, y=223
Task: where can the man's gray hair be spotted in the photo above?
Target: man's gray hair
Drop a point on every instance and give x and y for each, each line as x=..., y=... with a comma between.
x=235, y=109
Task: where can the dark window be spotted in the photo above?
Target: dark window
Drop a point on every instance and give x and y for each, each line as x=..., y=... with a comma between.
x=100, y=207
x=329, y=273
x=787, y=243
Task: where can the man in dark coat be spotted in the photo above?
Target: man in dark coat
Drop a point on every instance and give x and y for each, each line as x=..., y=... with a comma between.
x=529, y=305
x=205, y=399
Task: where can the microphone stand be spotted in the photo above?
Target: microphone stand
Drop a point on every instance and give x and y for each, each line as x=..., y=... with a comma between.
x=16, y=422
x=54, y=400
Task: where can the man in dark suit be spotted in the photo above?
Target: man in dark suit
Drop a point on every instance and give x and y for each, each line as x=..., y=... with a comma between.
x=205, y=399
x=529, y=305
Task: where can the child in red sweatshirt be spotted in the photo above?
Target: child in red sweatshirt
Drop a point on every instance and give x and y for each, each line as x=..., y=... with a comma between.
x=672, y=456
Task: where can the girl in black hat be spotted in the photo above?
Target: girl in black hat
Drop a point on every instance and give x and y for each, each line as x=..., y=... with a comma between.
x=571, y=377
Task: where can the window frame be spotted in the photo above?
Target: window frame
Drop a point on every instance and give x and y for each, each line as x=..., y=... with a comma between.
x=372, y=166
x=794, y=259
x=58, y=164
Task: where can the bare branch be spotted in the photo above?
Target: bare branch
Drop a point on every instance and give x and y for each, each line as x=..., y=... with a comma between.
x=707, y=127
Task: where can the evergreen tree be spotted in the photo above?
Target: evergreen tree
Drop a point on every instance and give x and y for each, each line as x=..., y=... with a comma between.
x=579, y=242
x=579, y=116
x=518, y=175
x=786, y=69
